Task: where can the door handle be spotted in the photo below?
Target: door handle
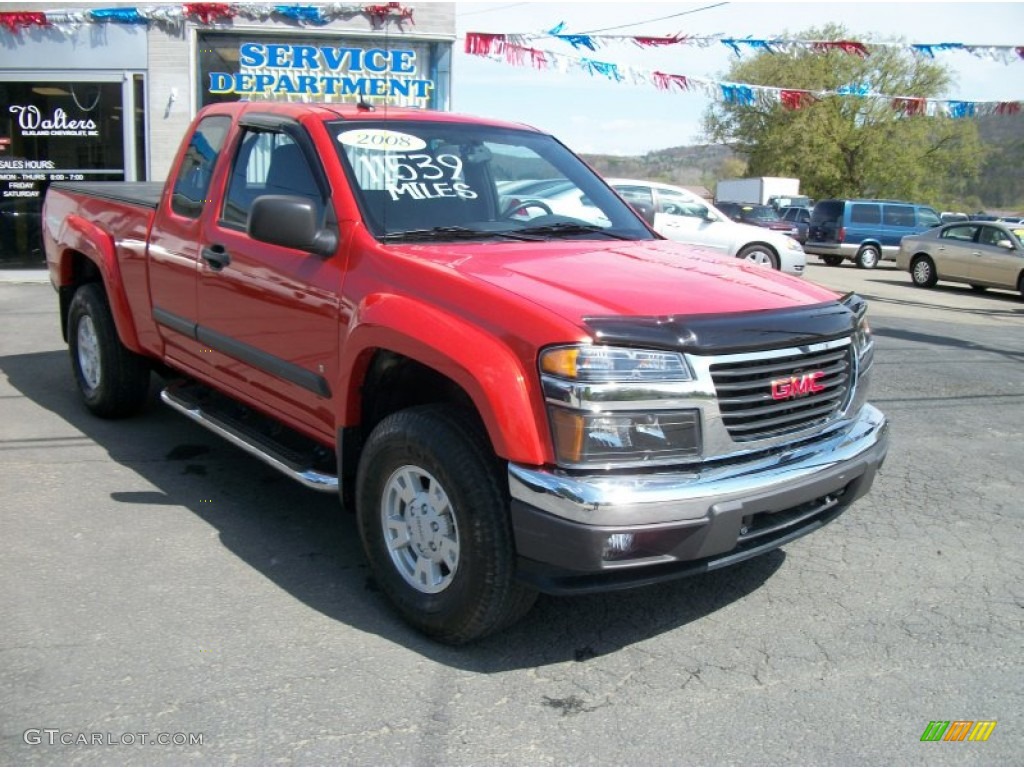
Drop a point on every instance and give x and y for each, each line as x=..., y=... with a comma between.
x=216, y=256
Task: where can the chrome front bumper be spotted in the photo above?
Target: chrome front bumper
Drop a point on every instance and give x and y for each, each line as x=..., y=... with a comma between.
x=564, y=523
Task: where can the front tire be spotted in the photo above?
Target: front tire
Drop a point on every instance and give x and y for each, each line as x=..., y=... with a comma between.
x=759, y=254
x=868, y=257
x=112, y=380
x=433, y=515
x=922, y=272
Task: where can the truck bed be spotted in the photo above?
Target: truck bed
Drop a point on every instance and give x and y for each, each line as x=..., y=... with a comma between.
x=144, y=193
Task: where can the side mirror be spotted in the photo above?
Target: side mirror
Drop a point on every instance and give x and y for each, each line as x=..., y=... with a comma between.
x=290, y=221
x=1005, y=244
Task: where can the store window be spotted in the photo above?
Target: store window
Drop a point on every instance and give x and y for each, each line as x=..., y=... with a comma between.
x=52, y=131
x=323, y=69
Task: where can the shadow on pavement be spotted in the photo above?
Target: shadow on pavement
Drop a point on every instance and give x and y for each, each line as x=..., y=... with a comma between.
x=938, y=291
x=302, y=542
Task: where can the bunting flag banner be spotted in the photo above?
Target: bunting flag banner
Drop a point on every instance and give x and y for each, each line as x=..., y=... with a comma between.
x=1001, y=53
x=16, y=20
x=208, y=14
x=498, y=48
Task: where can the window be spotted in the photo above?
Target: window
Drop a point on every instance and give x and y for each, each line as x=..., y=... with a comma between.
x=679, y=205
x=196, y=171
x=267, y=163
x=866, y=213
x=635, y=194
x=962, y=232
x=415, y=178
x=926, y=217
x=898, y=215
x=52, y=130
x=991, y=236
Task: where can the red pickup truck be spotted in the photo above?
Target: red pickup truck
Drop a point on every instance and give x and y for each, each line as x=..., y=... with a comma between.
x=514, y=391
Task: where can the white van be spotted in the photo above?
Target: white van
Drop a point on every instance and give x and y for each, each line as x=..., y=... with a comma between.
x=683, y=216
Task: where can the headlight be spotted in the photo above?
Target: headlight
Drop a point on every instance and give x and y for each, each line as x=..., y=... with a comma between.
x=793, y=245
x=618, y=407
x=595, y=363
x=864, y=342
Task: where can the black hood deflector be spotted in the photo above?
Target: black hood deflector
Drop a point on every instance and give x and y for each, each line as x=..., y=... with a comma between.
x=734, y=332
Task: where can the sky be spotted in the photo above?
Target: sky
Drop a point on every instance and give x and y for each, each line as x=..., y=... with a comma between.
x=594, y=115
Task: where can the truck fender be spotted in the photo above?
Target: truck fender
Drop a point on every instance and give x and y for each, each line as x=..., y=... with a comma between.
x=82, y=236
x=485, y=368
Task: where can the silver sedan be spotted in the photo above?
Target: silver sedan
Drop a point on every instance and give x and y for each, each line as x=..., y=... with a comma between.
x=983, y=254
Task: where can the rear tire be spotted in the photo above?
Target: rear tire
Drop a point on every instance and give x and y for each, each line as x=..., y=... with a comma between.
x=433, y=515
x=112, y=380
x=868, y=257
x=832, y=261
x=922, y=272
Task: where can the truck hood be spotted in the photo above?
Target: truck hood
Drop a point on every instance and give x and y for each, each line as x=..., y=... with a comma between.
x=578, y=279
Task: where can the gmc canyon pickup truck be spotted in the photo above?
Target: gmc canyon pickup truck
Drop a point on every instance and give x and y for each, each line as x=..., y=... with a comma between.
x=514, y=393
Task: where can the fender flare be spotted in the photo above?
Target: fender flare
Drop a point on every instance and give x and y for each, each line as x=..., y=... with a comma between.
x=504, y=392
x=78, y=235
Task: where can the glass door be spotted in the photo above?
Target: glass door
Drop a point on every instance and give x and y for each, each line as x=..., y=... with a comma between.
x=60, y=130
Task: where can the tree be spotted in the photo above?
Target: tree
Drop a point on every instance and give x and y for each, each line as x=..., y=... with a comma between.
x=850, y=146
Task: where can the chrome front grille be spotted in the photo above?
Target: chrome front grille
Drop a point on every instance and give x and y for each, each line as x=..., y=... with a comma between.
x=768, y=394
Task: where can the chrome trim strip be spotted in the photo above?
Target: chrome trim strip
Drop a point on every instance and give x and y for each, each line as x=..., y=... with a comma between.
x=317, y=481
x=657, y=497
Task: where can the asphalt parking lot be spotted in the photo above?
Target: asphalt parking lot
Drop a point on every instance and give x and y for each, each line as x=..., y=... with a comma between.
x=159, y=582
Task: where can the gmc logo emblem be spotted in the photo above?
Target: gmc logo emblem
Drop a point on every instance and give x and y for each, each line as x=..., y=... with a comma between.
x=797, y=386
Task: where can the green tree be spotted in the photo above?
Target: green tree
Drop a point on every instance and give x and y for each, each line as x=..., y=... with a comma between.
x=847, y=145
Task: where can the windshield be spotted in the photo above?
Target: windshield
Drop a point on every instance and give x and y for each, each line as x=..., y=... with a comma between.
x=760, y=213
x=419, y=180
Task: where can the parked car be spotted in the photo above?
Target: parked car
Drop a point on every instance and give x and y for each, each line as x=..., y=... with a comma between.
x=864, y=231
x=1012, y=219
x=949, y=217
x=755, y=215
x=683, y=216
x=981, y=254
x=800, y=217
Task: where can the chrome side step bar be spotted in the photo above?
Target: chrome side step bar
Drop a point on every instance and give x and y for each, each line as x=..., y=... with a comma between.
x=311, y=478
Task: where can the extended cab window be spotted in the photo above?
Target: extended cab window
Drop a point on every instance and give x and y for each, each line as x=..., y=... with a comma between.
x=267, y=163
x=196, y=170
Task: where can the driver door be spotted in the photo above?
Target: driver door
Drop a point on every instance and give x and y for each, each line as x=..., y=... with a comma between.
x=268, y=314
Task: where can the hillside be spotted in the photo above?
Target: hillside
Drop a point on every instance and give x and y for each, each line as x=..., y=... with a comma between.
x=999, y=185
x=686, y=166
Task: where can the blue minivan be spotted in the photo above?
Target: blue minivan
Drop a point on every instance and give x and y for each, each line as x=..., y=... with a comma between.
x=864, y=231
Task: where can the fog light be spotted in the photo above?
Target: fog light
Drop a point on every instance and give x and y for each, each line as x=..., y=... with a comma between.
x=617, y=545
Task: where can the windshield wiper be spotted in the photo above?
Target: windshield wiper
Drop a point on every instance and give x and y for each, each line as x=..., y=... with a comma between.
x=569, y=228
x=453, y=233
